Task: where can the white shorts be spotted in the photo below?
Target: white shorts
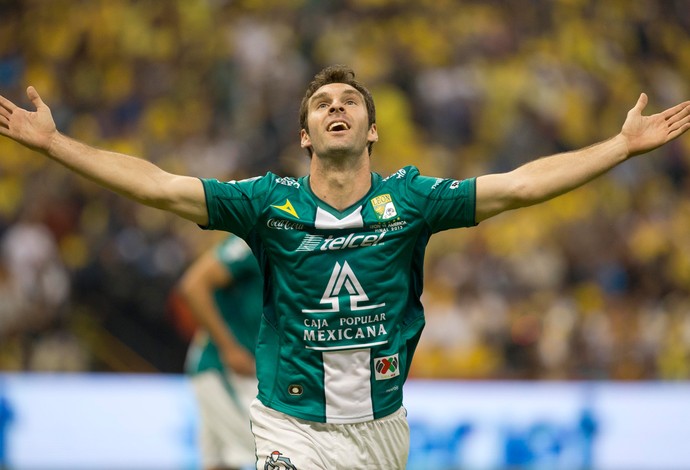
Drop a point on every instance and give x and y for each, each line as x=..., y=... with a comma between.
x=285, y=442
x=225, y=438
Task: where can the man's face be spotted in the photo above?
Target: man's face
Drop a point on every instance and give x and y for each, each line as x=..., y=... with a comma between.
x=338, y=122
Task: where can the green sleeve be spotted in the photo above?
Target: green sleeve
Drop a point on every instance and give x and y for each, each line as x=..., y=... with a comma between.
x=235, y=206
x=445, y=203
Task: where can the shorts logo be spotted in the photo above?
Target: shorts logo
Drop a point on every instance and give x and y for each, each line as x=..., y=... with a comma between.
x=386, y=367
x=277, y=461
x=295, y=390
x=384, y=207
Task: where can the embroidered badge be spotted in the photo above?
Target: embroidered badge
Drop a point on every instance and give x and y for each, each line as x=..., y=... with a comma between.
x=384, y=207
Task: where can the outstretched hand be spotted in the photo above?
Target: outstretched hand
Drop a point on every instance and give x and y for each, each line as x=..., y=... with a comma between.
x=645, y=133
x=33, y=129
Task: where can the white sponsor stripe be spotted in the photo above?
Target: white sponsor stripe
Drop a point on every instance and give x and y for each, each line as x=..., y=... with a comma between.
x=347, y=386
x=326, y=220
x=310, y=243
x=342, y=348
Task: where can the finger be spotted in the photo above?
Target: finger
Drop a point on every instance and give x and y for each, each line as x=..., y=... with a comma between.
x=34, y=97
x=641, y=103
x=4, y=126
x=7, y=104
x=678, y=111
x=4, y=112
x=679, y=127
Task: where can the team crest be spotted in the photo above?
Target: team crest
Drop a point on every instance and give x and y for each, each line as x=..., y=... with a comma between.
x=384, y=207
x=387, y=367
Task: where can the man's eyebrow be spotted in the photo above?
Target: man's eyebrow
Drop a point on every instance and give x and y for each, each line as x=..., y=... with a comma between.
x=325, y=94
x=319, y=96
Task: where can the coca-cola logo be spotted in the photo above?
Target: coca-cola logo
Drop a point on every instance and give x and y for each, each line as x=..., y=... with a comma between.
x=282, y=224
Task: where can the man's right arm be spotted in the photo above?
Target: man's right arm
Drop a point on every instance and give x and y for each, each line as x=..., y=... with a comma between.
x=129, y=176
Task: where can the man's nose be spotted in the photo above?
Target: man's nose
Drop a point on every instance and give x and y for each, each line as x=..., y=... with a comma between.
x=336, y=108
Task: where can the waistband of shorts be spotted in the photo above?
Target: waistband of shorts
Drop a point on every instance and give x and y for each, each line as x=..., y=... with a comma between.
x=397, y=414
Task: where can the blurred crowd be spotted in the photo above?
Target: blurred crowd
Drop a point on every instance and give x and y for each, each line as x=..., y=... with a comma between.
x=592, y=285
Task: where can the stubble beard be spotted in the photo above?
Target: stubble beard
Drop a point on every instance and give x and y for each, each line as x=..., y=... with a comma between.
x=341, y=156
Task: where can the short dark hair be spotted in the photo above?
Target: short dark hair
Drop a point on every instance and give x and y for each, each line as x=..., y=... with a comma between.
x=336, y=74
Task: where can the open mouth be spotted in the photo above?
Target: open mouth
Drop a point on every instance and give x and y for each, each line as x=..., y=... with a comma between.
x=338, y=126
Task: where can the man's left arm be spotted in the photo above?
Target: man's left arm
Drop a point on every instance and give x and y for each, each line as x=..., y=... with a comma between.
x=548, y=177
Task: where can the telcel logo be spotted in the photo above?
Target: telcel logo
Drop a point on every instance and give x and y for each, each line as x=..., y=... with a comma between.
x=351, y=241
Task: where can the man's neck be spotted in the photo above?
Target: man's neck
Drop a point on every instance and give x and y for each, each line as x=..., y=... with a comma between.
x=340, y=184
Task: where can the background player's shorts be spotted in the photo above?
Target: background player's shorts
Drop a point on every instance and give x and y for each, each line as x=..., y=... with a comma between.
x=285, y=442
x=225, y=437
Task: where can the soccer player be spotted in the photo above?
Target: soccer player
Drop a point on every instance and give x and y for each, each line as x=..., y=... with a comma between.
x=341, y=251
x=223, y=292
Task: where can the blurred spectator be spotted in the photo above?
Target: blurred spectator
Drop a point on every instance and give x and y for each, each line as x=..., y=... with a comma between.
x=592, y=285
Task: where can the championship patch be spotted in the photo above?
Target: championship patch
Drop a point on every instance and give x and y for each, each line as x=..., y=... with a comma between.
x=386, y=367
x=384, y=207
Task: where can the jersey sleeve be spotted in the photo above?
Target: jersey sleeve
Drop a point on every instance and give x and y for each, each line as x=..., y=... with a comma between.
x=234, y=206
x=445, y=203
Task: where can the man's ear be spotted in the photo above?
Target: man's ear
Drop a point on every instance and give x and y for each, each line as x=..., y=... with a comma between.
x=305, y=141
x=373, y=134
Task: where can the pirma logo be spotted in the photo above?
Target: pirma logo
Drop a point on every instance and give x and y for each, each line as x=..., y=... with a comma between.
x=287, y=207
x=386, y=367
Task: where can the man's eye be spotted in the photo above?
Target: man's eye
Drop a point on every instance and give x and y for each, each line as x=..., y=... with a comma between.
x=351, y=102
x=321, y=105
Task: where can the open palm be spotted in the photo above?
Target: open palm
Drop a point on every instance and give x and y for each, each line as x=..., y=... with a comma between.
x=645, y=133
x=33, y=129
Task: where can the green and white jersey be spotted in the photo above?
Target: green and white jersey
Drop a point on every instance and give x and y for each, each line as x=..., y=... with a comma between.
x=342, y=310
x=239, y=303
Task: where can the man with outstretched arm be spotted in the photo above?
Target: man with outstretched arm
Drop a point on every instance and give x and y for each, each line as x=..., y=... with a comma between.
x=341, y=250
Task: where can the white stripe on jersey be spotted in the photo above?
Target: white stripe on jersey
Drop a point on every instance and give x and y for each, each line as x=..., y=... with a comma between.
x=342, y=348
x=325, y=220
x=347, y=386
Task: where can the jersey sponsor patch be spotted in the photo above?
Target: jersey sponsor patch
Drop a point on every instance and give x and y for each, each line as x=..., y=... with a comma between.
x=283, y=224
x=317, y=242
x=343, y=277
x=384, y=207
x=386, y=367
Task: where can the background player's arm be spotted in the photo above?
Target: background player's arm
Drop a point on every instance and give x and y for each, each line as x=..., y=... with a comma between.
x=552, y=176
x=129, y=176
x=197, y=286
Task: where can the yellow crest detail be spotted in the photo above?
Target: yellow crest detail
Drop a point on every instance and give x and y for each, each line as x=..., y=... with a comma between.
x=287, y=207
x=384, y=207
